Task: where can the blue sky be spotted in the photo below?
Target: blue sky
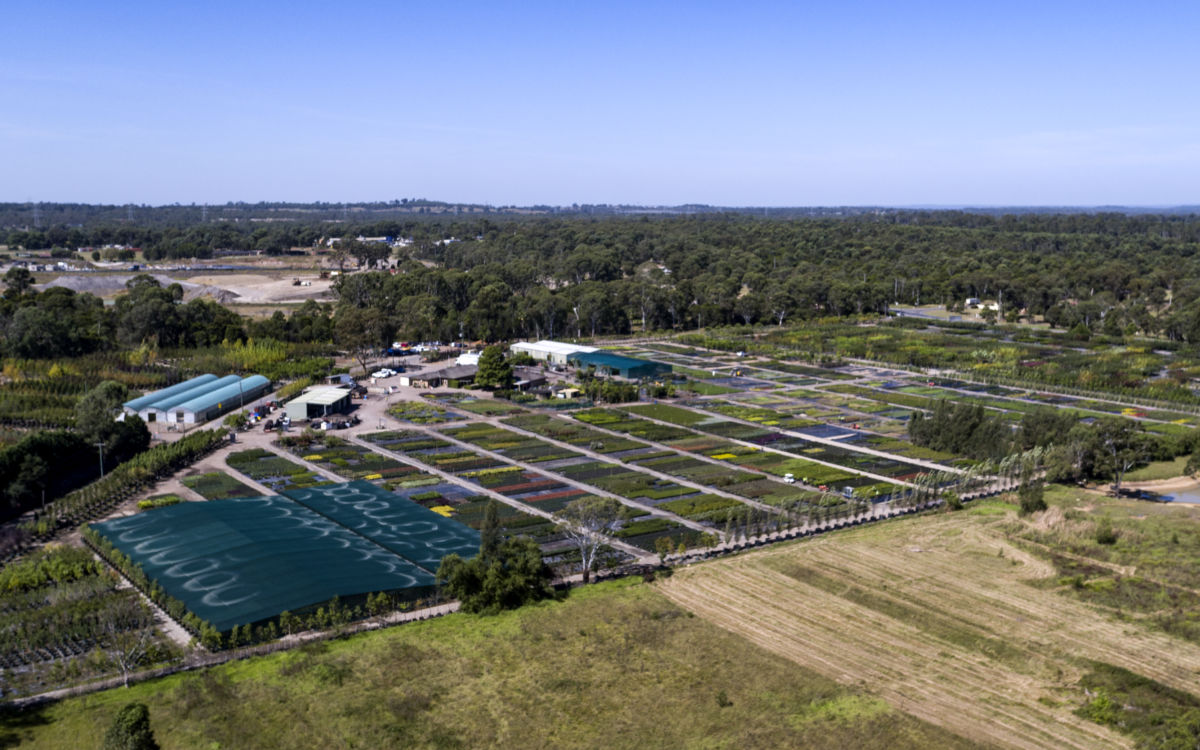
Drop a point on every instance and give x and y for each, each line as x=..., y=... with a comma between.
x=747, y=103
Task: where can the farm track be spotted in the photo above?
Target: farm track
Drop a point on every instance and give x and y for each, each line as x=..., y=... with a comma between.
x=979, y=650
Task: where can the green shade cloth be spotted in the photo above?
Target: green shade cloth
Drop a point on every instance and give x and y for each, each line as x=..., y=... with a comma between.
x=410, y=530
x=245, y=560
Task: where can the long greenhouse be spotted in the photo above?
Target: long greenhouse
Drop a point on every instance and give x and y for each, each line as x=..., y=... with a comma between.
x=199, y=399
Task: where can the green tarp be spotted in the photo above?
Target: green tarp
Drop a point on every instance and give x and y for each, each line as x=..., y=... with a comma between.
x=246, y=560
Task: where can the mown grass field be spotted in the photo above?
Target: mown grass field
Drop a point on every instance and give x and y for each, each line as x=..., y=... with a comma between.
x=960, y=620
x=614, y=666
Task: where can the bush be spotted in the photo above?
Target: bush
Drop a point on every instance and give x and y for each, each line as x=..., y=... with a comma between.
x=1032, y=497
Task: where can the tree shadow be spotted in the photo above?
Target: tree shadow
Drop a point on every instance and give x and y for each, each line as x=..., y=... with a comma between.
x=15, y=723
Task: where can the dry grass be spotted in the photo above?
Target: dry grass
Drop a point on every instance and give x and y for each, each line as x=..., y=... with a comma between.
x=615, y=666
x=938, y=617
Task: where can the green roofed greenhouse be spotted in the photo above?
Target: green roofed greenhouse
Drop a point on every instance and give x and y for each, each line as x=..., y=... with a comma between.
x=246, y=560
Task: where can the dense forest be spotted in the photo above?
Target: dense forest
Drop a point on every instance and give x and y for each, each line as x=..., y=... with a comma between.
x=483, y=279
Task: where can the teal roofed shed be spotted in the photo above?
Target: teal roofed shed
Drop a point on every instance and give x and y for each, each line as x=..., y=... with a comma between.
x=617, y=364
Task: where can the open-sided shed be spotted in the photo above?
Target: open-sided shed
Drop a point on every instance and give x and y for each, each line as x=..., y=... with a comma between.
x=318, y=402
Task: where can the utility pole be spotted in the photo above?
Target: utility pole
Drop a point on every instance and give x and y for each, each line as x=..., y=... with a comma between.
x=100, y=445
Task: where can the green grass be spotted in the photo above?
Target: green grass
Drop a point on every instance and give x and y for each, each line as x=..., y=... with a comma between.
x=1157, y=545
x=1154, y=715
x=615, y=666
x=1158, y=470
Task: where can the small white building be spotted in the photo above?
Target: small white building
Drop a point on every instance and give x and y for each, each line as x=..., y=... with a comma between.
x=554, y=352
x=467, y=358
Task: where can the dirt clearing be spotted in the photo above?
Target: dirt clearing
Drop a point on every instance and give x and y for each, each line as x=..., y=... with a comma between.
x=251, y=287
x=938, y=617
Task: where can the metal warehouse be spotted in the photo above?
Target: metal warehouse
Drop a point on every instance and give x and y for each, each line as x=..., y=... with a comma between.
x=318, y=402
x=617, y=364
x=554, y=352
x=211, y=398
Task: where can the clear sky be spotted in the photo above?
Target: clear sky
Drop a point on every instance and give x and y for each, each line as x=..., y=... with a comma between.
x=736, y=103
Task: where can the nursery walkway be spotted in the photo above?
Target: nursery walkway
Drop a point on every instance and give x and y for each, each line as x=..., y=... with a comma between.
x=583, y=486
x=637, y=552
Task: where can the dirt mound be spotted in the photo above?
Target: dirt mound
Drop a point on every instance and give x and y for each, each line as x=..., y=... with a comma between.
x=107, y=285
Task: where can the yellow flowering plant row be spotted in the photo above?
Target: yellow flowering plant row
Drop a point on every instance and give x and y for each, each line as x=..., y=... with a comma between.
x=489, y=472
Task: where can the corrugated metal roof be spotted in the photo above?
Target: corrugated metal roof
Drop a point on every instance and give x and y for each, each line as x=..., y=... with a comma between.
x=170, y=402
x=321, y=396
x=455, y=372
x=553, y=347
x=245, y=389
x=142, y=402
x=615, y=361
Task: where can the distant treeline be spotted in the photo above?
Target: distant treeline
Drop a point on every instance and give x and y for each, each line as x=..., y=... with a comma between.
x=481, y=278
x=43, y=216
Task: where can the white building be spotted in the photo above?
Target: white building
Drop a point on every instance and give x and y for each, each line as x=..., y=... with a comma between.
x=554, y=352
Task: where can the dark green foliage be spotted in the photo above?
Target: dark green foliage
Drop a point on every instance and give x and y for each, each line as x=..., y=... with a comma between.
x=724, y=269
x=130, y=730
x=489, y=531
x=494, y=370
x=1031, y=493
x=1105, y=533
x=513, y=576
x=57, y=462
x=609, y=391
x=96, y=412
x=967, y=429
x=1045, y=426
x=506, y=574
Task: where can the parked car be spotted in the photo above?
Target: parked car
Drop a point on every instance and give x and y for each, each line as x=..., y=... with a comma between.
x=386, y=372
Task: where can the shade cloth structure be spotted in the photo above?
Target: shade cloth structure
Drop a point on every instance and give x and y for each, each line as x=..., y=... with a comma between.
x=246, y=560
